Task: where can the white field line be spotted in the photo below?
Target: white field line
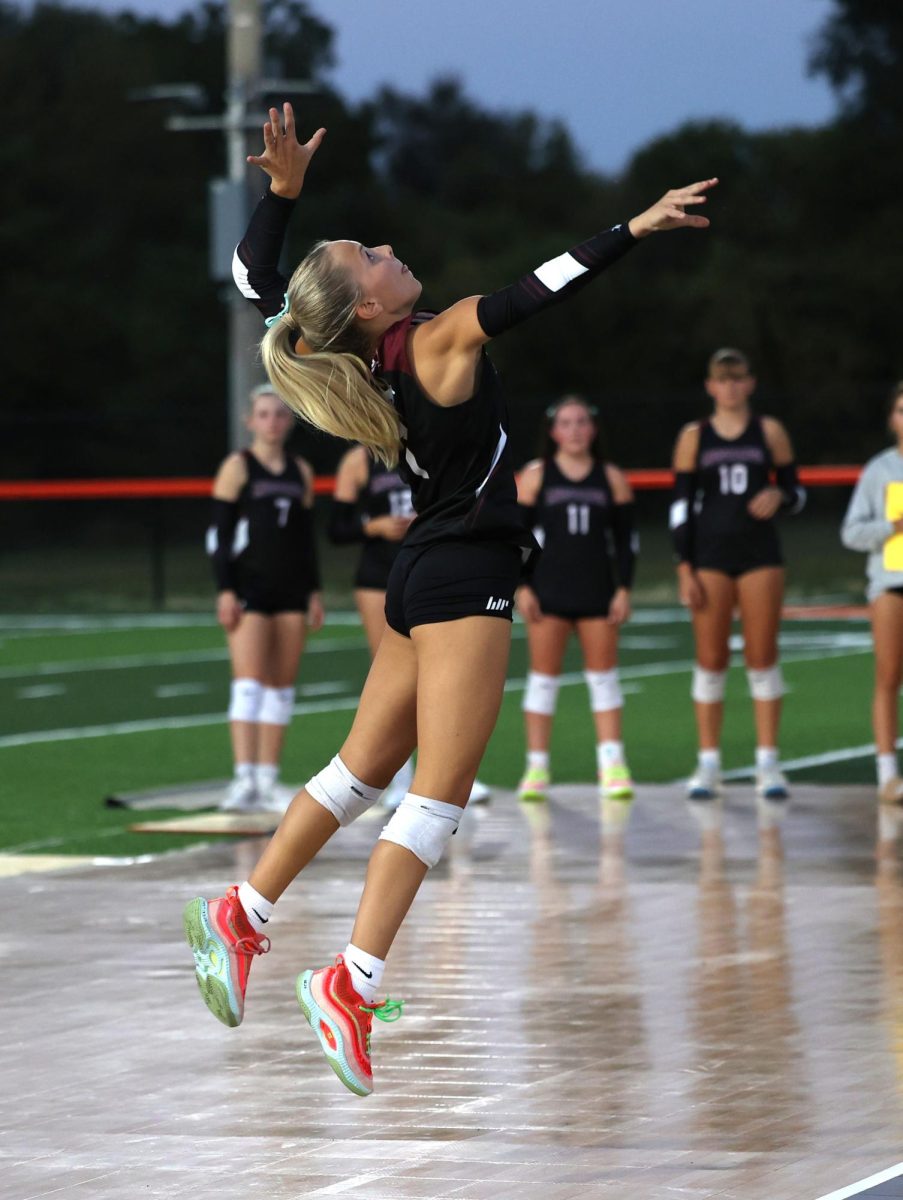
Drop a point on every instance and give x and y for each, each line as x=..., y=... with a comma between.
x=26, y=624
x=856, y=1189
x=326, y=645
x=345, y=703
x=124, y=662
x=846, y=754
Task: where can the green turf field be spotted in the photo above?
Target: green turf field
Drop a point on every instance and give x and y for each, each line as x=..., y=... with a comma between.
x=98, y=706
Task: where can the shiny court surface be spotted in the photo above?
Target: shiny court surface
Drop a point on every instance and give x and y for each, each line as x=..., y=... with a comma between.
x=580, y=1022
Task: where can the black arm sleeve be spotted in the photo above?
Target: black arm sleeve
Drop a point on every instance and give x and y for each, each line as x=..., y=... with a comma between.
x=627, y=542
x=255, y=264
x=309, y=556
x=345, y=524
x=219, y=543
x=788, y=480
x=680, y=516
x=553, y=282
x=528, y=566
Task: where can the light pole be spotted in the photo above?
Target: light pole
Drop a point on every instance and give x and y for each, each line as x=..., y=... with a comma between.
x=229, y=198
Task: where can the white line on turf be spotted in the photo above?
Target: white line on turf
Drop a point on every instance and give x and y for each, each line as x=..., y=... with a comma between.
x=123, y=662
x=846, y=754
x=344, y=703
x=173, y=691
x=40, y=691
x=856, y=1189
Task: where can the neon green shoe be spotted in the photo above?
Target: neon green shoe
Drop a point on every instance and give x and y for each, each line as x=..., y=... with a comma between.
x=615, y=782
x=533, y=785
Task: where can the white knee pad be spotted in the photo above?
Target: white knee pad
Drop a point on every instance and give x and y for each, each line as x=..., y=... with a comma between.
x=245, y=700
x=604, y=690
x=541, y=695
x=423, y=826
x=708, y=686
x=342, y=793
x=767, y=684
x=277, y=706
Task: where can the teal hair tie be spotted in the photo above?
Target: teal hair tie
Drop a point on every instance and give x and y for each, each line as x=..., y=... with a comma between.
x=283, y=312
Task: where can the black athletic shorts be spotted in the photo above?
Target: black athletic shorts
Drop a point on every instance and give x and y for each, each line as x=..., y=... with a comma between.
x=740, y=555
x=450, y=580
x=375, y=564
x=575, y=608
x=271, y=600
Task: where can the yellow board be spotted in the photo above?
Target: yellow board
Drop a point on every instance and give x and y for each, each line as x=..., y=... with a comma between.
x=893, y=510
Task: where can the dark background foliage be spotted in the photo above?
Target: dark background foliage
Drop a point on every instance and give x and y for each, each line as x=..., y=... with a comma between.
x=114, y=346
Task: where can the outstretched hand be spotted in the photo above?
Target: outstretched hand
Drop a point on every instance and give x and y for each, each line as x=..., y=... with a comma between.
x=284, y=158
x=670, y=212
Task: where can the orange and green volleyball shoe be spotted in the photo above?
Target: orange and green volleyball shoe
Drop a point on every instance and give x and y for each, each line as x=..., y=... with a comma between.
x=224, y=944
x=533, y=784
x=615, y=782
x=342, y=1020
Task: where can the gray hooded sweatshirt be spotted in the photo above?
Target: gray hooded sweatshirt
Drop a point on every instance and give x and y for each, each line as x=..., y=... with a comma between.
x=865, y=526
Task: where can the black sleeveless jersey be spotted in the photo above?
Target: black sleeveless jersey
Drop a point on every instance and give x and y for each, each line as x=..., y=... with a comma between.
x=273, y=545
x=456, y=461
x=575, y=573
x=384, y=495
x=729, y=472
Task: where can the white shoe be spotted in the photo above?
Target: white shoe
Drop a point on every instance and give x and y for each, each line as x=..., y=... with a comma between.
x=275, y=799
x=241, y=796
x=479, y=793
x=705, y=784
x=771, y=784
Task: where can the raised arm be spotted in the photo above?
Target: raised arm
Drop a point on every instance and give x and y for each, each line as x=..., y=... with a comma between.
x=445, y=349
x=473, y=322
x=255, y=264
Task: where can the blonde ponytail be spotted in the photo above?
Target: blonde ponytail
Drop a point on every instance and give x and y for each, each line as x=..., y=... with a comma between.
x=330, y=384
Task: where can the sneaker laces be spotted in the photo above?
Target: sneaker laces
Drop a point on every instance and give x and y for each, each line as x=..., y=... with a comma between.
x=389, y=1010
x=252, y=945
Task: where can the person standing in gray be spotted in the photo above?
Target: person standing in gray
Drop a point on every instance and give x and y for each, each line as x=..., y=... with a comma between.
x=867, y=527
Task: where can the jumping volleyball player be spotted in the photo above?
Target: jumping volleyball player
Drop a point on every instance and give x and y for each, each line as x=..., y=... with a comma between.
x=372, y=505
x=582, y=511
x=347, y=350
x=264, y=559
x=729, y=555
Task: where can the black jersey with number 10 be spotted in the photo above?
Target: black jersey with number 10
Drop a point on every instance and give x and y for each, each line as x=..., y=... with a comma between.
x=729, y=472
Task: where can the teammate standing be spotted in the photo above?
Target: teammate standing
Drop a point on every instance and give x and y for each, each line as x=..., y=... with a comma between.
x=348, y=352
x=262, y=547
x=582, y=511
x=729, y=556
x=874, y=523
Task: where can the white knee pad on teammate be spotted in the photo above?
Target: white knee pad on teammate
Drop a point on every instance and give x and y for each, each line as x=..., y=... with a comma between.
x=423, y=826
x=541, y=695
x=277, y=706
x=767, y=684
x=343, y=794
x=604, y=690
x=708, y=686
x=245, y=699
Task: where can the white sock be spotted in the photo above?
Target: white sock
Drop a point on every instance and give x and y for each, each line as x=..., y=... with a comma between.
x=887, y=768
x=366, y=971
x=710, y=760
x=266, y=775
x=257, y=908
x=766, y=756
x=245, y=771
x=538, y=760
x=610, y=754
